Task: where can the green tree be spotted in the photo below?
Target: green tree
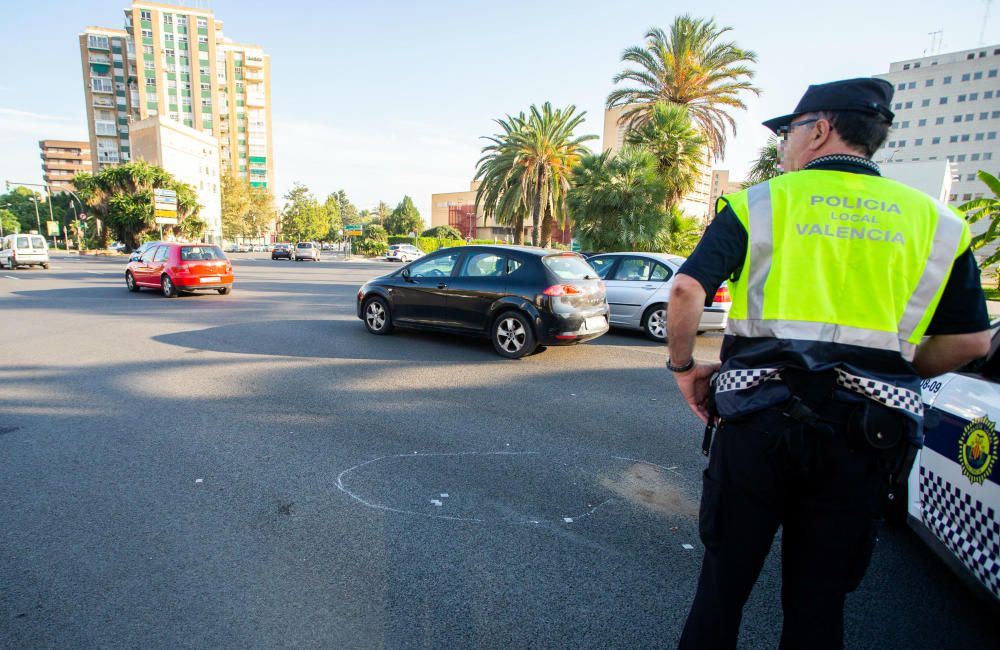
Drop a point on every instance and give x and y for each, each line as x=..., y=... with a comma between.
x=235, y=203
x=373, y=242
x=617, y=202
x=404, y=219
x=382, y=212
x=19, y=203
x=9, y=222
x=442, y=232
x=348, y=211
x=987, y=207
x=766, y=166
x=679, y=148
x=303, y=218
x=527, y=168
x=691, y=67
x=121, y=196
x=334, y=221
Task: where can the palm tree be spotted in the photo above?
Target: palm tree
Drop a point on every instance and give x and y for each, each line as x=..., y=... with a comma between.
x=767, y=165
x=617, y=201
x=527, y=167
x=122, y=196
x=987, y=207
x=688, y=66
x=679, y=148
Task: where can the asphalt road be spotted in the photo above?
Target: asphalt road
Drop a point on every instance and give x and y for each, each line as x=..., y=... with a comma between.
x=255, y=470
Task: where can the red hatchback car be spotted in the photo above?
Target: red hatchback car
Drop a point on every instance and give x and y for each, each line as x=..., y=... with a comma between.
x=180, y=268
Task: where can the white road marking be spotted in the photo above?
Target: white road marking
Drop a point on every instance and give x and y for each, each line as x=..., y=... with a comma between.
x=199, y=480
x=568, y=520
x=436, y=502
x=11, y=277
x=444, y=495
x=687, y=547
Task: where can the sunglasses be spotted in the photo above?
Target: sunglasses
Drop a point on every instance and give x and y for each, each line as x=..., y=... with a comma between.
x=784, y=130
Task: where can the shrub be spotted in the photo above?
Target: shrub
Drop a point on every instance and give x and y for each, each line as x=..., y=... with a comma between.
x=442, y=232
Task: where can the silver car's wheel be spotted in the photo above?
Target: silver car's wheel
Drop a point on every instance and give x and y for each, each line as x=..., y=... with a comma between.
x=378, y=320
x=513, y=336
x=655, y=323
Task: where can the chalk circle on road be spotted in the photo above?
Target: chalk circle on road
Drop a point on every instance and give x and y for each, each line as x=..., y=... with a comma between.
x=515, y=487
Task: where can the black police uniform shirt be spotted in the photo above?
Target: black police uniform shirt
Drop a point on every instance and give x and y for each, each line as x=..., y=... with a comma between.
x=722, y=250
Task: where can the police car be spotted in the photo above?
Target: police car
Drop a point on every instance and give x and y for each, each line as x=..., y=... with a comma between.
x=953, y=491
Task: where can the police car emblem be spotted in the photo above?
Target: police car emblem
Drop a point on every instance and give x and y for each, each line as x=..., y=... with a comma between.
x=977, y=449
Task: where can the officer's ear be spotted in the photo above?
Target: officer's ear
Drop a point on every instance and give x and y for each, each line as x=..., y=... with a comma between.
x=822, y=132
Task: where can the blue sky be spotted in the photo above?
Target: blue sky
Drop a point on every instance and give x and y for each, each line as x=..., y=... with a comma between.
x=390, y=98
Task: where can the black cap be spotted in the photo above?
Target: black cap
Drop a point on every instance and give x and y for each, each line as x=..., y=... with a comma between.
x=866, y=94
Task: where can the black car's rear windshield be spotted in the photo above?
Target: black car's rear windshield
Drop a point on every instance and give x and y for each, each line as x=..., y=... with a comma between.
x=569, y=267
x=199, y=253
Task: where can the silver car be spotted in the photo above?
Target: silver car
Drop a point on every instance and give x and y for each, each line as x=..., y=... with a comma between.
x=306, y=250
x=638, y=288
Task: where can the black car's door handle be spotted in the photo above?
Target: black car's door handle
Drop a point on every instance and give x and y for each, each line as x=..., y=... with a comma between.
x=442, y=285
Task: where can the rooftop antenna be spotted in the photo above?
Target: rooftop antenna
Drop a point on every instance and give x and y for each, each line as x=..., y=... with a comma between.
x=936, y=37
x=986, y=18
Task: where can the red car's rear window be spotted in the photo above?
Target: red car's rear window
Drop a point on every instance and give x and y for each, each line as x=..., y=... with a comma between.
x=200, y=253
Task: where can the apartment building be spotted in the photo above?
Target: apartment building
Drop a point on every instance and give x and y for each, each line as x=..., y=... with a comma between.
x=720, y=186
x=191, y=156
x=112, y=102
x=947, y=107
x=695, y=204
x=179, y=64
x=61, y=161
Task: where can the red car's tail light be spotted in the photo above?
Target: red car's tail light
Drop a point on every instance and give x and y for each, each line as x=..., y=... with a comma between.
x=563, y=290
x=722, y=295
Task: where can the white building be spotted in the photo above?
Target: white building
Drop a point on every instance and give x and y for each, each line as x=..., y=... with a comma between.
x=947, y=107
x=190, y=156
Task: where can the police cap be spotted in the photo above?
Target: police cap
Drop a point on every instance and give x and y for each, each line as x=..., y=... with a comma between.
x=866, y=94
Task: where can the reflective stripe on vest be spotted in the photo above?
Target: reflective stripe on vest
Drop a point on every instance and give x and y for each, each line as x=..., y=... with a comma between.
x=926, y=237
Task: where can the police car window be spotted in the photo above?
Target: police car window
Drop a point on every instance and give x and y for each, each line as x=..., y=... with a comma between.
x=602, y=265
x=633, y=269
x=660, y=273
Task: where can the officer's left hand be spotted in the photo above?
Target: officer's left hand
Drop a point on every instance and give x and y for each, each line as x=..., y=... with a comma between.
x=694, y=385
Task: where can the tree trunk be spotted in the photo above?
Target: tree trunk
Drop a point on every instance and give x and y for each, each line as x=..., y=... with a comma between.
x=536, y=210
x=519, y=231
x=547, y=227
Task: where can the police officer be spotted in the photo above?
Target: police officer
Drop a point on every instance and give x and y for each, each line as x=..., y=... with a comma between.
x=837, y=275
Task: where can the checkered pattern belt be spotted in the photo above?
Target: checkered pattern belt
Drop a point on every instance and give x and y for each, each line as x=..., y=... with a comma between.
x=880, y=391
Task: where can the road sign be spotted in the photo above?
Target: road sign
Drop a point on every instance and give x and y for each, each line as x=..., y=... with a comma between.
x=164, y=213
x=83, y=216
x=574, y=245
x=169, y=221
x=353, y=228
x=52, y=227
x=352, y=233
x=165, y=195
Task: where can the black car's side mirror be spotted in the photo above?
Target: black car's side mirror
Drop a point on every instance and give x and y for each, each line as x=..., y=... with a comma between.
x=406, y=274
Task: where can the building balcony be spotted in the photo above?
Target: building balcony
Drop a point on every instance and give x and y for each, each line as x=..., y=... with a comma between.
x=254, y=61
x=256, y=101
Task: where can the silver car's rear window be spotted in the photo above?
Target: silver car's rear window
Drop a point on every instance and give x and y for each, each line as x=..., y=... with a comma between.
x=569, y=267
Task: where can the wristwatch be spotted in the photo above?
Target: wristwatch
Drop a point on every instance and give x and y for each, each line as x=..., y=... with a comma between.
x=687, y=366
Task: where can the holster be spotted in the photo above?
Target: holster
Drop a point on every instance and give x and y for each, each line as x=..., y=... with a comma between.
x=713, y=417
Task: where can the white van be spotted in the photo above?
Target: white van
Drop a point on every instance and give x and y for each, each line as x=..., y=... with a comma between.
x=24, y=250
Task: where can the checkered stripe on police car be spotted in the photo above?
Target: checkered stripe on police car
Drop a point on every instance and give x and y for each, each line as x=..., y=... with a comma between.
x=743, y=379
x=880, y=391
x=968, y=528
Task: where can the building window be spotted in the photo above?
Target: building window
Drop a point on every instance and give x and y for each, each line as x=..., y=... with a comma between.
x=961, y=98
x=918, y=142
x=977, y=76
x=939, y=121
x=925, y=103
x=992, y=135
x=973, y=97
x=168, y=19
x=992, y=73
x=203, y=22
x=906, y=66
x=956, y=119
x=145, y=14
x=988, y=155
x=946, y=80
x=960, y=158
x=150, y=81
x=988, y=94
x=965, y=137
x=147, y=33
x=168, y=37
x=995, y=114
x=897, y=106
x=911, y=85
x=182, y=44
x=984, y=116
x=936, y=140
x=943, y=101
x=147, y=50
x=966, y=77
x=909, y=105
x=902, y=143
x=968, y=195
x=974, y=157
x=906, y=124
x=892, y=144
x=953, y=197
x=101, y=85
x=969, y=117
x=97, y=42
x=929, y=83
x=921, y=122
x=953, y=138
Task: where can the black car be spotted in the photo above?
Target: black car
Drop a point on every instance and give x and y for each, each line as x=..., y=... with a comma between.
x=282, y=251
x=520, y=297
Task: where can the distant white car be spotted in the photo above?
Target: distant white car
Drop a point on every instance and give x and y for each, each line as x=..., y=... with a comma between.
x=403, y=253
x=953, y=494
x=24, y=250
x=638, y=287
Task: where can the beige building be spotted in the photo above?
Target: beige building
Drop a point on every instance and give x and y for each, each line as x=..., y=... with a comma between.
x=61, y=161
x=189, y=155
x=694, y=204
x=720, y=186
x=176, y=62
x=458, y=210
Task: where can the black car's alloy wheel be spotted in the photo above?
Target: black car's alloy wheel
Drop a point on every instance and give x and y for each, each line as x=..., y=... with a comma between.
x=378, y=320
x=512, y=335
